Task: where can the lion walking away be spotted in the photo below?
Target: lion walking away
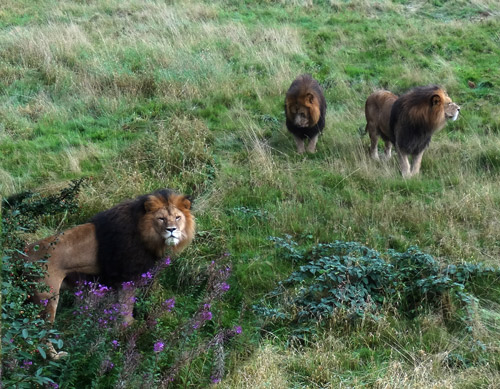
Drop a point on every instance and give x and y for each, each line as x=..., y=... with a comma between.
x=305, y=108
x=117, y=245
x=408, y=122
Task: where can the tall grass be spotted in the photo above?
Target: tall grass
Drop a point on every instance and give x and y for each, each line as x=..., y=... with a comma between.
x=143, y=94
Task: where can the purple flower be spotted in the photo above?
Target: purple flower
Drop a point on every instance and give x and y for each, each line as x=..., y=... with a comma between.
x=128, y=285
x=207, y=315
x=215, y=380
x=115, y=344
x=101, y=291
x=79, y=294
x=167, y=261
x=44, y=302
x=147, y=275
x=158, y=346
x=224, y=286
x=107, y=365
x=54, y=385
x=169, y=304
x=237, y=329
x=26, y=364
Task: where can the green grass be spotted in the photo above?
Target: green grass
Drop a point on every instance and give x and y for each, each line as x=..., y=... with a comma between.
x=189, y=95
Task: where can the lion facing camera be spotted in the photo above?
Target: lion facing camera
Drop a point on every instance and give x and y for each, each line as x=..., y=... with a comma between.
x=305, y=108
x=117, y=245
x=408, y=122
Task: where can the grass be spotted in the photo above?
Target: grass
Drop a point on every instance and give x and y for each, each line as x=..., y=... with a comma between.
x=189, y=95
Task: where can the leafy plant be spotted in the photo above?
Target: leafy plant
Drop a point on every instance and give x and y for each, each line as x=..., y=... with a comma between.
x=351, y=278
x=24, y=332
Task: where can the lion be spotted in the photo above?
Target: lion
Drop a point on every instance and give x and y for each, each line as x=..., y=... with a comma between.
x=116, y=245
x=305, y=108
x=408, y=122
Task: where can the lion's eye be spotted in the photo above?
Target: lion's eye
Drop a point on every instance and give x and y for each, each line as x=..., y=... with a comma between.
x=178, y=218
x=161, y=218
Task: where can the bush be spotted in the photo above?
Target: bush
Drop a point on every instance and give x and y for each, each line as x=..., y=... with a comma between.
x=350, y=278
x=24, y=331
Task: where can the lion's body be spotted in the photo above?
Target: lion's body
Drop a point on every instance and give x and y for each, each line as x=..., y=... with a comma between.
x=378, y=114
x=117, y=245
x=305, y=109
x=414, y=118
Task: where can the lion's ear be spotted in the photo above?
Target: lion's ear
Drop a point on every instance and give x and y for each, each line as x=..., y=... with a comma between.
x=152, y=204
x=187, y=202
x=310, y=98
x=435, y=100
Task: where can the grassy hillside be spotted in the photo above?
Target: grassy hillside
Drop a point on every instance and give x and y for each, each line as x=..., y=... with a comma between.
x=138, y=95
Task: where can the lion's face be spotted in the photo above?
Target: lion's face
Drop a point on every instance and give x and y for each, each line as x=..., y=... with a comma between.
x=167, y=222
x=170, y=223
x=451, y=111
x=303, y=111
x=300, y=115
x=442, y=102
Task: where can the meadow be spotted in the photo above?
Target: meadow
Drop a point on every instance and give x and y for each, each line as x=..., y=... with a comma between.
x=136, y=95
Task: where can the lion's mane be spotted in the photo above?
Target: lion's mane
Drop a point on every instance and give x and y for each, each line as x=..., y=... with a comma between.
x=416, y=116
x=299, y=93
x=125, y=248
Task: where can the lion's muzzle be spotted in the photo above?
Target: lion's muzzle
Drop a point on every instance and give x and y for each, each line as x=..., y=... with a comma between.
x=172, y=236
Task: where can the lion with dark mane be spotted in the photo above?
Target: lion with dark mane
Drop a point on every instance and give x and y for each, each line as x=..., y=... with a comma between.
x=117, y=245
x=305, y=108
x=408, y=122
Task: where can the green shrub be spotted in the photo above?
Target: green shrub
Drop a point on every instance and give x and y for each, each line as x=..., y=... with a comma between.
x=353, y=279
x=24, y=332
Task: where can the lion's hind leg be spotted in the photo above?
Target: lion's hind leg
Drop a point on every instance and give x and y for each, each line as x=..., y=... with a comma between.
x=373, y=141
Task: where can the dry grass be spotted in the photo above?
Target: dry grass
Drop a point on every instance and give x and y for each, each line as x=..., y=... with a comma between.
x=265, y=369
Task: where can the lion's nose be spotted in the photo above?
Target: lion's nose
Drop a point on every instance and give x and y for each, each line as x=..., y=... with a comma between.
x=171, y=229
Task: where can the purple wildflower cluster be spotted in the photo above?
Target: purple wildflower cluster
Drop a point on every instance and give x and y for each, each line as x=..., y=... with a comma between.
x=148, y=277
x=96, y=302
x=202, y=316
x=158, y=347
x=217, y=286
x=169, y=304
